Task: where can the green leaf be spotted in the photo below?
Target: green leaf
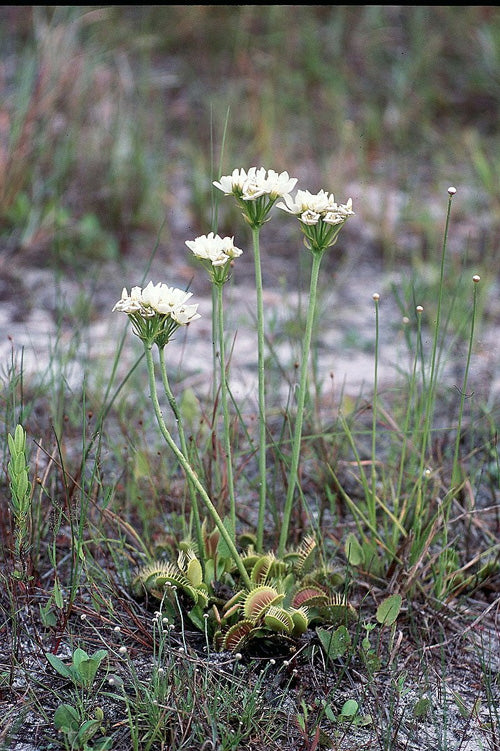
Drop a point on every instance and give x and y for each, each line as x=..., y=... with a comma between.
x=79, y=655
x=349, y=709
x=222, y=548
x=66, y=718
x=353, y=550
x=59, y=665
x=87, y=667
x=57, y=594
x=335, y=643
x=87, y=731
x=388, y=610
x=47, y=615
x=421, y=707
x=103, y=744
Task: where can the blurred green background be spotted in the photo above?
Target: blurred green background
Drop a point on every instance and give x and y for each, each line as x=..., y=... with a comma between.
x=113, y=118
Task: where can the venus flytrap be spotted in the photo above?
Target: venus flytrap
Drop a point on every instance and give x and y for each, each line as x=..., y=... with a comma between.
x=321, y=220
x=256, y=192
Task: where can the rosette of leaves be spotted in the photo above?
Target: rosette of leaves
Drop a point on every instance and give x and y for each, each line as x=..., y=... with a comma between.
x=289, y=595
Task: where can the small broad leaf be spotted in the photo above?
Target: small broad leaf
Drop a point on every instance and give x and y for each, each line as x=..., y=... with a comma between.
x=349, y=709
x=87, y=670
x=66, y=718
x=353, y=550
x=57, y=594
x=421, y=707
x=79, y=655
x=388, y=610
x=59, y=665
x=87, y=731
x=334, y=643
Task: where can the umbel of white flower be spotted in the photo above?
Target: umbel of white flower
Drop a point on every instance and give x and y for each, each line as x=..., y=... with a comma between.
x=218, y=250
x=157, y=311
x=320, y=216
x=216, y=253
x=256, y=190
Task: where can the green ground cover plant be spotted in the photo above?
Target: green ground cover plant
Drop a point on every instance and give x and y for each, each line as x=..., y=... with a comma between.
x=184, y=566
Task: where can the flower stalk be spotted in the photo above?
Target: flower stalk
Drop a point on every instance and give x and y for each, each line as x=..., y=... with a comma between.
x=188, y=470
x=217, y=255
x=225, y=409
x=256, y=192
x=182, y=440
x=321, y=218
x=297, y=435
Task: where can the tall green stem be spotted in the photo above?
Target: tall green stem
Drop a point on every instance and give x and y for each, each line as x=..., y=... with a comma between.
x=262, y=389
x=182, y=439
x=306, y=345
x=463, y=394
x=190, y=474
x=431, y=390
x=372, y=507
x=225, y=410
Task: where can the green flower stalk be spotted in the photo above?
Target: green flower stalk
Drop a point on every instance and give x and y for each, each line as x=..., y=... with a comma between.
x=182, y=440
x=256, y=192
x=217, y=255
x=432, y=383
x=155, y=313
x=321, y=220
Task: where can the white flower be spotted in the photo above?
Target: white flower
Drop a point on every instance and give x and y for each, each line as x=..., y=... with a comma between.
x=256, y=182
x=184, y=314
x=306, y=201
x=232, y=183
x=171, y=299
x=158, y=298
x=151, y=295
x=310, y=217
x=218, y=250
x=279, y=184
x=129, y=303
x=306, y=205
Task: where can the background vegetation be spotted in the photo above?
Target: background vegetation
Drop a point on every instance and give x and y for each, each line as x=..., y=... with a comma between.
x=113, y=121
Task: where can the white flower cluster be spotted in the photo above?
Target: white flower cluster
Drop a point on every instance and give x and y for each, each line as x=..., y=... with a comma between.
x=256, y=183
x=215, y=249
x=311, y=207
x=158, y=298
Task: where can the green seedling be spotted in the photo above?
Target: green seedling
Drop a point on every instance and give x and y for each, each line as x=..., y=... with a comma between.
x=79, y=732
x=83, y=668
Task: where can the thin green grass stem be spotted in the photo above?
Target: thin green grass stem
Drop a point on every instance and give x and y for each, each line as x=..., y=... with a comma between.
x=261, y=389
x=372, y=502
x=225, y=409
x=190, y=474
x=297, y=436
x=455, y=474
x=182, y=439
x=410, y=408
x=431, y=391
